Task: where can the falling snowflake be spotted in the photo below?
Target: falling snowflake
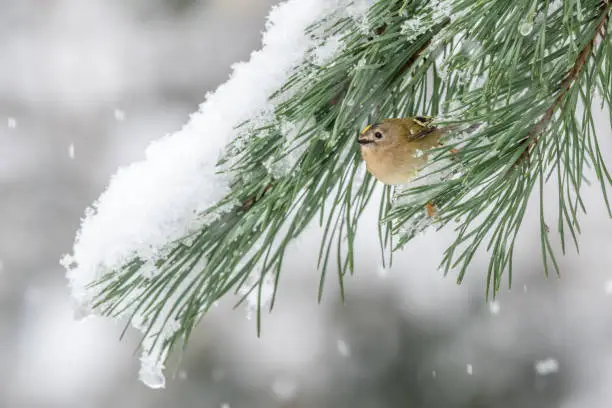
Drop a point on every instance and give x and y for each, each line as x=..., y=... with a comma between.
x=382, y=271
x=343, y=348
x=494, y=307
x=284, y=389
x=71, y=150
x=547, y=366
x=119, y=115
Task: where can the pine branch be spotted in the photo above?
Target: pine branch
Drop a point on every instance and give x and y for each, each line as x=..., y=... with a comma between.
x=514, y=116
x=513, y=80
x=338, y=98
x=569, y=80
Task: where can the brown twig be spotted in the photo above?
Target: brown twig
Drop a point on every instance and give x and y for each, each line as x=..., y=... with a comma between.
x=566, y=84
x=249, y=203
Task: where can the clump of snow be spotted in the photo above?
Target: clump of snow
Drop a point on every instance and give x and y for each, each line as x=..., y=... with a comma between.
x=157, y=201
x=358, y=10
x=11, y=122
x=437, y=11
x=470, y=46
x=326, y=51
x=441, y=9
x=554, y=6
x=361, y=63
x=281, y=166
x=469, y=369
x=152, y=372
x=413, y=28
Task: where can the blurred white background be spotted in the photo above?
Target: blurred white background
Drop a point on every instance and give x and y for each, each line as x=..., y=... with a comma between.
x=86, y=84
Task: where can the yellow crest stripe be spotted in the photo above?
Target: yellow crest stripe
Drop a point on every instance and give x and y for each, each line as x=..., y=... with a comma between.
x=365, y=129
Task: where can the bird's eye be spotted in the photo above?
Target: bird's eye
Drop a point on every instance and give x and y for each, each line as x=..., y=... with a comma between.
x=378, y=135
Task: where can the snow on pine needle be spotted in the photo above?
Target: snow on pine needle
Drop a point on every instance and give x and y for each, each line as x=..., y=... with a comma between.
x=154, y=203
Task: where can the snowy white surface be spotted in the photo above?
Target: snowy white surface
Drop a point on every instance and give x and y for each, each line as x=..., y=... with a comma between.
x=156, y=201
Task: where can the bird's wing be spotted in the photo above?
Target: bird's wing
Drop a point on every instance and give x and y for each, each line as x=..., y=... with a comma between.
x=424, y=121
x=421, y=133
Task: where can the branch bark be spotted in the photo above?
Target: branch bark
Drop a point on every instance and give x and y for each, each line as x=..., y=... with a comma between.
x=568, y=81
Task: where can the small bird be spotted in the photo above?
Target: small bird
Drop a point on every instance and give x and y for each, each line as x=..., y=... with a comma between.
x=395, y=149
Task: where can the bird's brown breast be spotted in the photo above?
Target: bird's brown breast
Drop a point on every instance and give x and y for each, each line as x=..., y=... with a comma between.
x=398, y=163
x=386, y=166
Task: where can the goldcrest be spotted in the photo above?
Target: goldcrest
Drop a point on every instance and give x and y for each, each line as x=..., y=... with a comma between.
x=395, y=149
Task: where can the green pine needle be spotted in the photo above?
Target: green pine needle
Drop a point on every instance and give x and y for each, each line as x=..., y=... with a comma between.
x=527, y=74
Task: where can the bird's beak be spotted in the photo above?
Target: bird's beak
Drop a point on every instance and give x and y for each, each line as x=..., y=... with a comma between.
x=364, y=141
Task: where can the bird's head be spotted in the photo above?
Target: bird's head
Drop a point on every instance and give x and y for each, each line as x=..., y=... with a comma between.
x=377, y=136
x=391, y=132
